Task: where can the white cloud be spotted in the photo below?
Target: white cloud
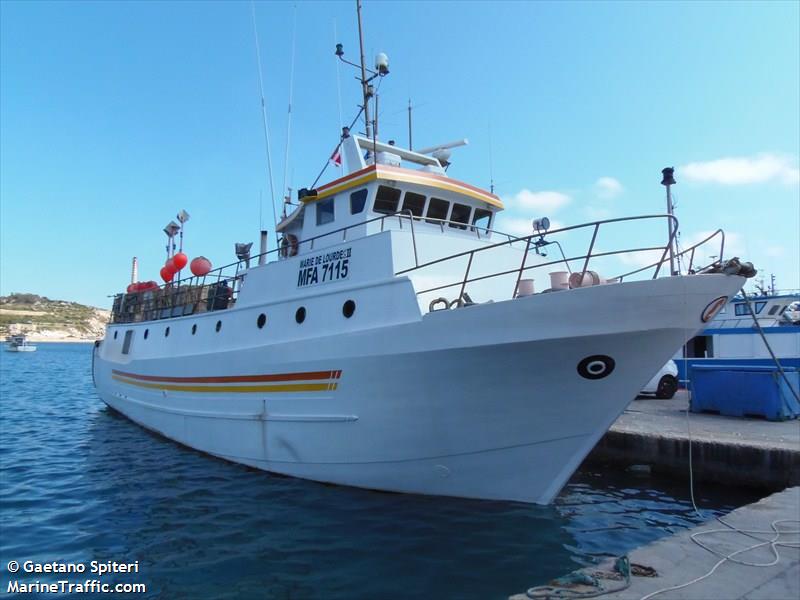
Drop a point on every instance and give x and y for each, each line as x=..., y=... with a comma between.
x=540, y=203
x=514, y=226
x=520, y=227
x=774, y=251
x=595, y=213
x=743, y=170
x=608, y=187
x=734, y=246
x=642, y=258
x=703, y=255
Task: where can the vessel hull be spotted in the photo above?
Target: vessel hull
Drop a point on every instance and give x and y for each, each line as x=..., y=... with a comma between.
x=491, y=401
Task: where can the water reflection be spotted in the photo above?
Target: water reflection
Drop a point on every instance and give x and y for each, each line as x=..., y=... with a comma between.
x=202, y=526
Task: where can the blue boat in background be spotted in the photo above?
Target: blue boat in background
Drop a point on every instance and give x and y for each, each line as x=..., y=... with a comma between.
x=732, y=338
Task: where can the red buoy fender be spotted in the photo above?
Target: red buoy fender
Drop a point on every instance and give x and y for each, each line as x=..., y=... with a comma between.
x=200, y=266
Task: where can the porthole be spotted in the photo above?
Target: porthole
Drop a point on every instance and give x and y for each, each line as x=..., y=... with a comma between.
x=300, y=315
x=219, y=326
x=194, y=329
x=115, y=334
x=348, y=308
x=261, y=321
x=166, y=332
x=146, y=333
x=596, y=366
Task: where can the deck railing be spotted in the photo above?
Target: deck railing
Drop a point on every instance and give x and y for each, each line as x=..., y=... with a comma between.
x=541, y=240
x=219, y=288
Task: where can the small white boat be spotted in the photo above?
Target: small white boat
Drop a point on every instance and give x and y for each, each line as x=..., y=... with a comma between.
x=19, y=343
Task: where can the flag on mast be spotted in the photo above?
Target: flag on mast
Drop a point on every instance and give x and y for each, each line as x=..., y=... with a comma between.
x=336, y=157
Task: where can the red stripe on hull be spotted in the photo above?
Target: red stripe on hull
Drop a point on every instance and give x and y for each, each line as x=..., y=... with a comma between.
x=314, y=375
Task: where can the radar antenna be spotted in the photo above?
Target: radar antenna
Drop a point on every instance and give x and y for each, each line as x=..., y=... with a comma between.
x=367, y=89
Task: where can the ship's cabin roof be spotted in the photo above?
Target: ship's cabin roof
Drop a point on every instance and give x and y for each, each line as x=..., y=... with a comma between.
x=383, y=180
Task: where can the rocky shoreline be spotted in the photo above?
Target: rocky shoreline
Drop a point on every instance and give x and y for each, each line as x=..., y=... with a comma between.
x=43, y=320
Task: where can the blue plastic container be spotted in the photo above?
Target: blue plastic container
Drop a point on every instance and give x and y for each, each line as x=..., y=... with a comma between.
x=740, y=391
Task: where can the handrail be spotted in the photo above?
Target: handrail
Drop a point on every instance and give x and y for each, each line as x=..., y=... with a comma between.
x=136, y=304
x=536, y=266
x=586, y=258
x=681, y=253
x=535, y=235
x=186, y=295
x=404, y=214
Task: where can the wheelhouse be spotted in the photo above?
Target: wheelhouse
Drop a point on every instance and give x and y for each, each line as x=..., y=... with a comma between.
x=384, y=181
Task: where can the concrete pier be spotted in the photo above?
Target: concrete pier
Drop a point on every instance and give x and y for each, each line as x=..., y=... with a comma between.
x=678, y=560
x=728, y=450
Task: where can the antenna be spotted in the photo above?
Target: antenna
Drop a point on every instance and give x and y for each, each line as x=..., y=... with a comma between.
x=491, y=164
x=260, y=211
x=135, y=270
x=375, y=130
x=291, y=93
x=171, y=229
x=338, y=86
x=182, y=217
x=410, y=147
x=668, y=180
x=364, y=83
x=264, y=116
x=381, y=70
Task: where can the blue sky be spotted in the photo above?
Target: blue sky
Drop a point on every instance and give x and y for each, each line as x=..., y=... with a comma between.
x=113, y=116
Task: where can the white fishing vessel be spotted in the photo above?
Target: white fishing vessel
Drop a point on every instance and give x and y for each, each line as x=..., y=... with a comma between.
x=19, y=343
x=394, y=340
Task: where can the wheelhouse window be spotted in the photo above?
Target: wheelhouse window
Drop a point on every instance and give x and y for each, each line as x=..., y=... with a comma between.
x=460, y=215
x=357, y=201
x=482, y=218
x=325, y=211
x=387, y=200
x=414, y=203
x=740, y=309
x=774, y=309
x=437, y=210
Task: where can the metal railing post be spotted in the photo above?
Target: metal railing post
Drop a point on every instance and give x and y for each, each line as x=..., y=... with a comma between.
x=589, y=255
x=466, y=276
x=413, y=237
x=522, y=267
x=661, y=262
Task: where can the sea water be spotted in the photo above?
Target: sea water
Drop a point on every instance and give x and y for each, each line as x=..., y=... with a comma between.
x=82, y=485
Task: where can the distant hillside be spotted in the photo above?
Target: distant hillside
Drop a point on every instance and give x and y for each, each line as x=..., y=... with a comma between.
x=42, y=319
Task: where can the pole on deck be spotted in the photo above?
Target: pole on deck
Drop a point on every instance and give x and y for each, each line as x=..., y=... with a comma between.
x=668, y=180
